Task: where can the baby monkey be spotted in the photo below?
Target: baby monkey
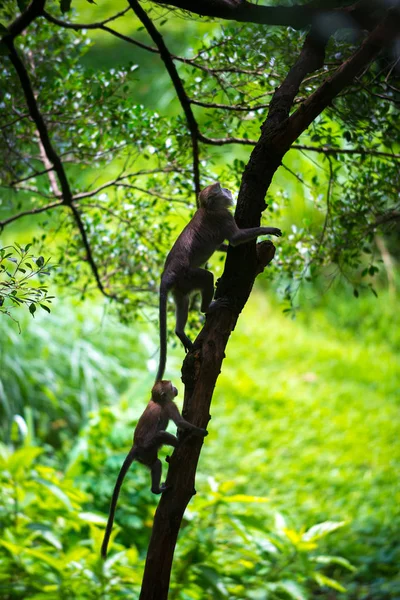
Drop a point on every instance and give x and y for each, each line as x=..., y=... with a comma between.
x=211, y=225
x=148, y=437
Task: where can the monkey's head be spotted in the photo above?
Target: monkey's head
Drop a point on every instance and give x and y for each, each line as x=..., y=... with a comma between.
x=214, y=197
x=163, y=391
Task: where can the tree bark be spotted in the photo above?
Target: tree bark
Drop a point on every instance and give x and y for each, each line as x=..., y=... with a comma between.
x=202, y=366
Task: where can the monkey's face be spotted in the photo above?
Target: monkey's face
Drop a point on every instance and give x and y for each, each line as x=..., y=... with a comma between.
x=163, y=391
x=214, y=197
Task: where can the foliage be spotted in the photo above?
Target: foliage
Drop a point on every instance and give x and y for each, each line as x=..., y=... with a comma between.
x=50, y=545
x=306, y=414
x=66, y=365
x=129, y=165
x=16, y=287
x=51, y=540
x=239, y=552
x=302, y=427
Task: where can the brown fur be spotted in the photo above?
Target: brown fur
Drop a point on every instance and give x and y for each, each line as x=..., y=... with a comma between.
x=210, y=226
x=149, y=435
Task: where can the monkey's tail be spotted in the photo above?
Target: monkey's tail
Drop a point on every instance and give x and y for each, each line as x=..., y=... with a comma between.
x=163, y=330
x=121, y=475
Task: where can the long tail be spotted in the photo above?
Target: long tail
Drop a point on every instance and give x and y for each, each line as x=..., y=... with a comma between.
x=121, y=475
x=163, y=331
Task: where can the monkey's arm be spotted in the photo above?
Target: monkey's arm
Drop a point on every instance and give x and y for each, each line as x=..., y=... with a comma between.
x=237, y=236
x=241, y=236
x=181, y=423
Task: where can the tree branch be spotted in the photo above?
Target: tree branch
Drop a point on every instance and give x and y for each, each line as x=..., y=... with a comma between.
x=324, y=14
x=297, y=17
x=51, y=153
x=100, y=25
x=178, y=85
x=334, y=150
x=202, y=365
x=33, y=211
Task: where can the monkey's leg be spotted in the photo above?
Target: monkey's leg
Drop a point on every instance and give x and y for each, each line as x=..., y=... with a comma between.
x=164, y=438
x=203, y=280
x=182, y=311
x=156, y=469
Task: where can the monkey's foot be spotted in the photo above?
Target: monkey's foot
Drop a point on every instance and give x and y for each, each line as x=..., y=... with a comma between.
x=162, y=488
x=220, y=303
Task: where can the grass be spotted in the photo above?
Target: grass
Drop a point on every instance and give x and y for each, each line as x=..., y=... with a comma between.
x=305, y=412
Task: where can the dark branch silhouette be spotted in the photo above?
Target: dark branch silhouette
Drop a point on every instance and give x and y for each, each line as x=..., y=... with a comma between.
x=178, y=85
x=53, y=157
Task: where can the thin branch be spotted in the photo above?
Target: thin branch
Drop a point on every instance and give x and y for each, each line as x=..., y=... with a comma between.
x=333, y=150
x=178, y=85
x=51, y=153
x=103, y=208
x=31, y=190
x=387, y=217
x=328, y=209
x=224, y=141
x=319, y=149
x=95, y=25
x=33, y=10
x=296, y=176
x=33, y=211
x=234, y=107
x=11, y=123
x=151, y=193
x=100, y=25
x=382, y=36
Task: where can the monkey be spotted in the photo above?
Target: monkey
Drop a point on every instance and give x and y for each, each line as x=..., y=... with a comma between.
x=211, y=224
x=148, y=437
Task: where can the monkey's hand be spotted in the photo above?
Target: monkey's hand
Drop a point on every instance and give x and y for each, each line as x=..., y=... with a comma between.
x=271, y=231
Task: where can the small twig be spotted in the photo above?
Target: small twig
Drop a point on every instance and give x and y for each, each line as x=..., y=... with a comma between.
x=51, y=153
x=332, y=150
x=233, y=107
x=178, y=85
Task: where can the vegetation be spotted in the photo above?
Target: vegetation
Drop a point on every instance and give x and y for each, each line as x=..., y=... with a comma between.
x=105, y=145
x=318, y=447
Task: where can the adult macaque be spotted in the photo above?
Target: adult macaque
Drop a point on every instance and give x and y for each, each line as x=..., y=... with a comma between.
x=212, y=223
x=148, y=438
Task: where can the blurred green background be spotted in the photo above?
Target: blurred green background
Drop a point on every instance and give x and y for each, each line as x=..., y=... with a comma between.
x=304, y=431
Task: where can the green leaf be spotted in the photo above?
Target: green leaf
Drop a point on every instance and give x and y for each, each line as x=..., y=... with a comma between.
x=321, y=530
x=335, y=560
x=21, y=461
x=325, y=581
x=32, y=309
x=292, y=589
x=88, y=517
x=40, y=261
x=58, y=493
x=46, y=308
x=56, y=564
